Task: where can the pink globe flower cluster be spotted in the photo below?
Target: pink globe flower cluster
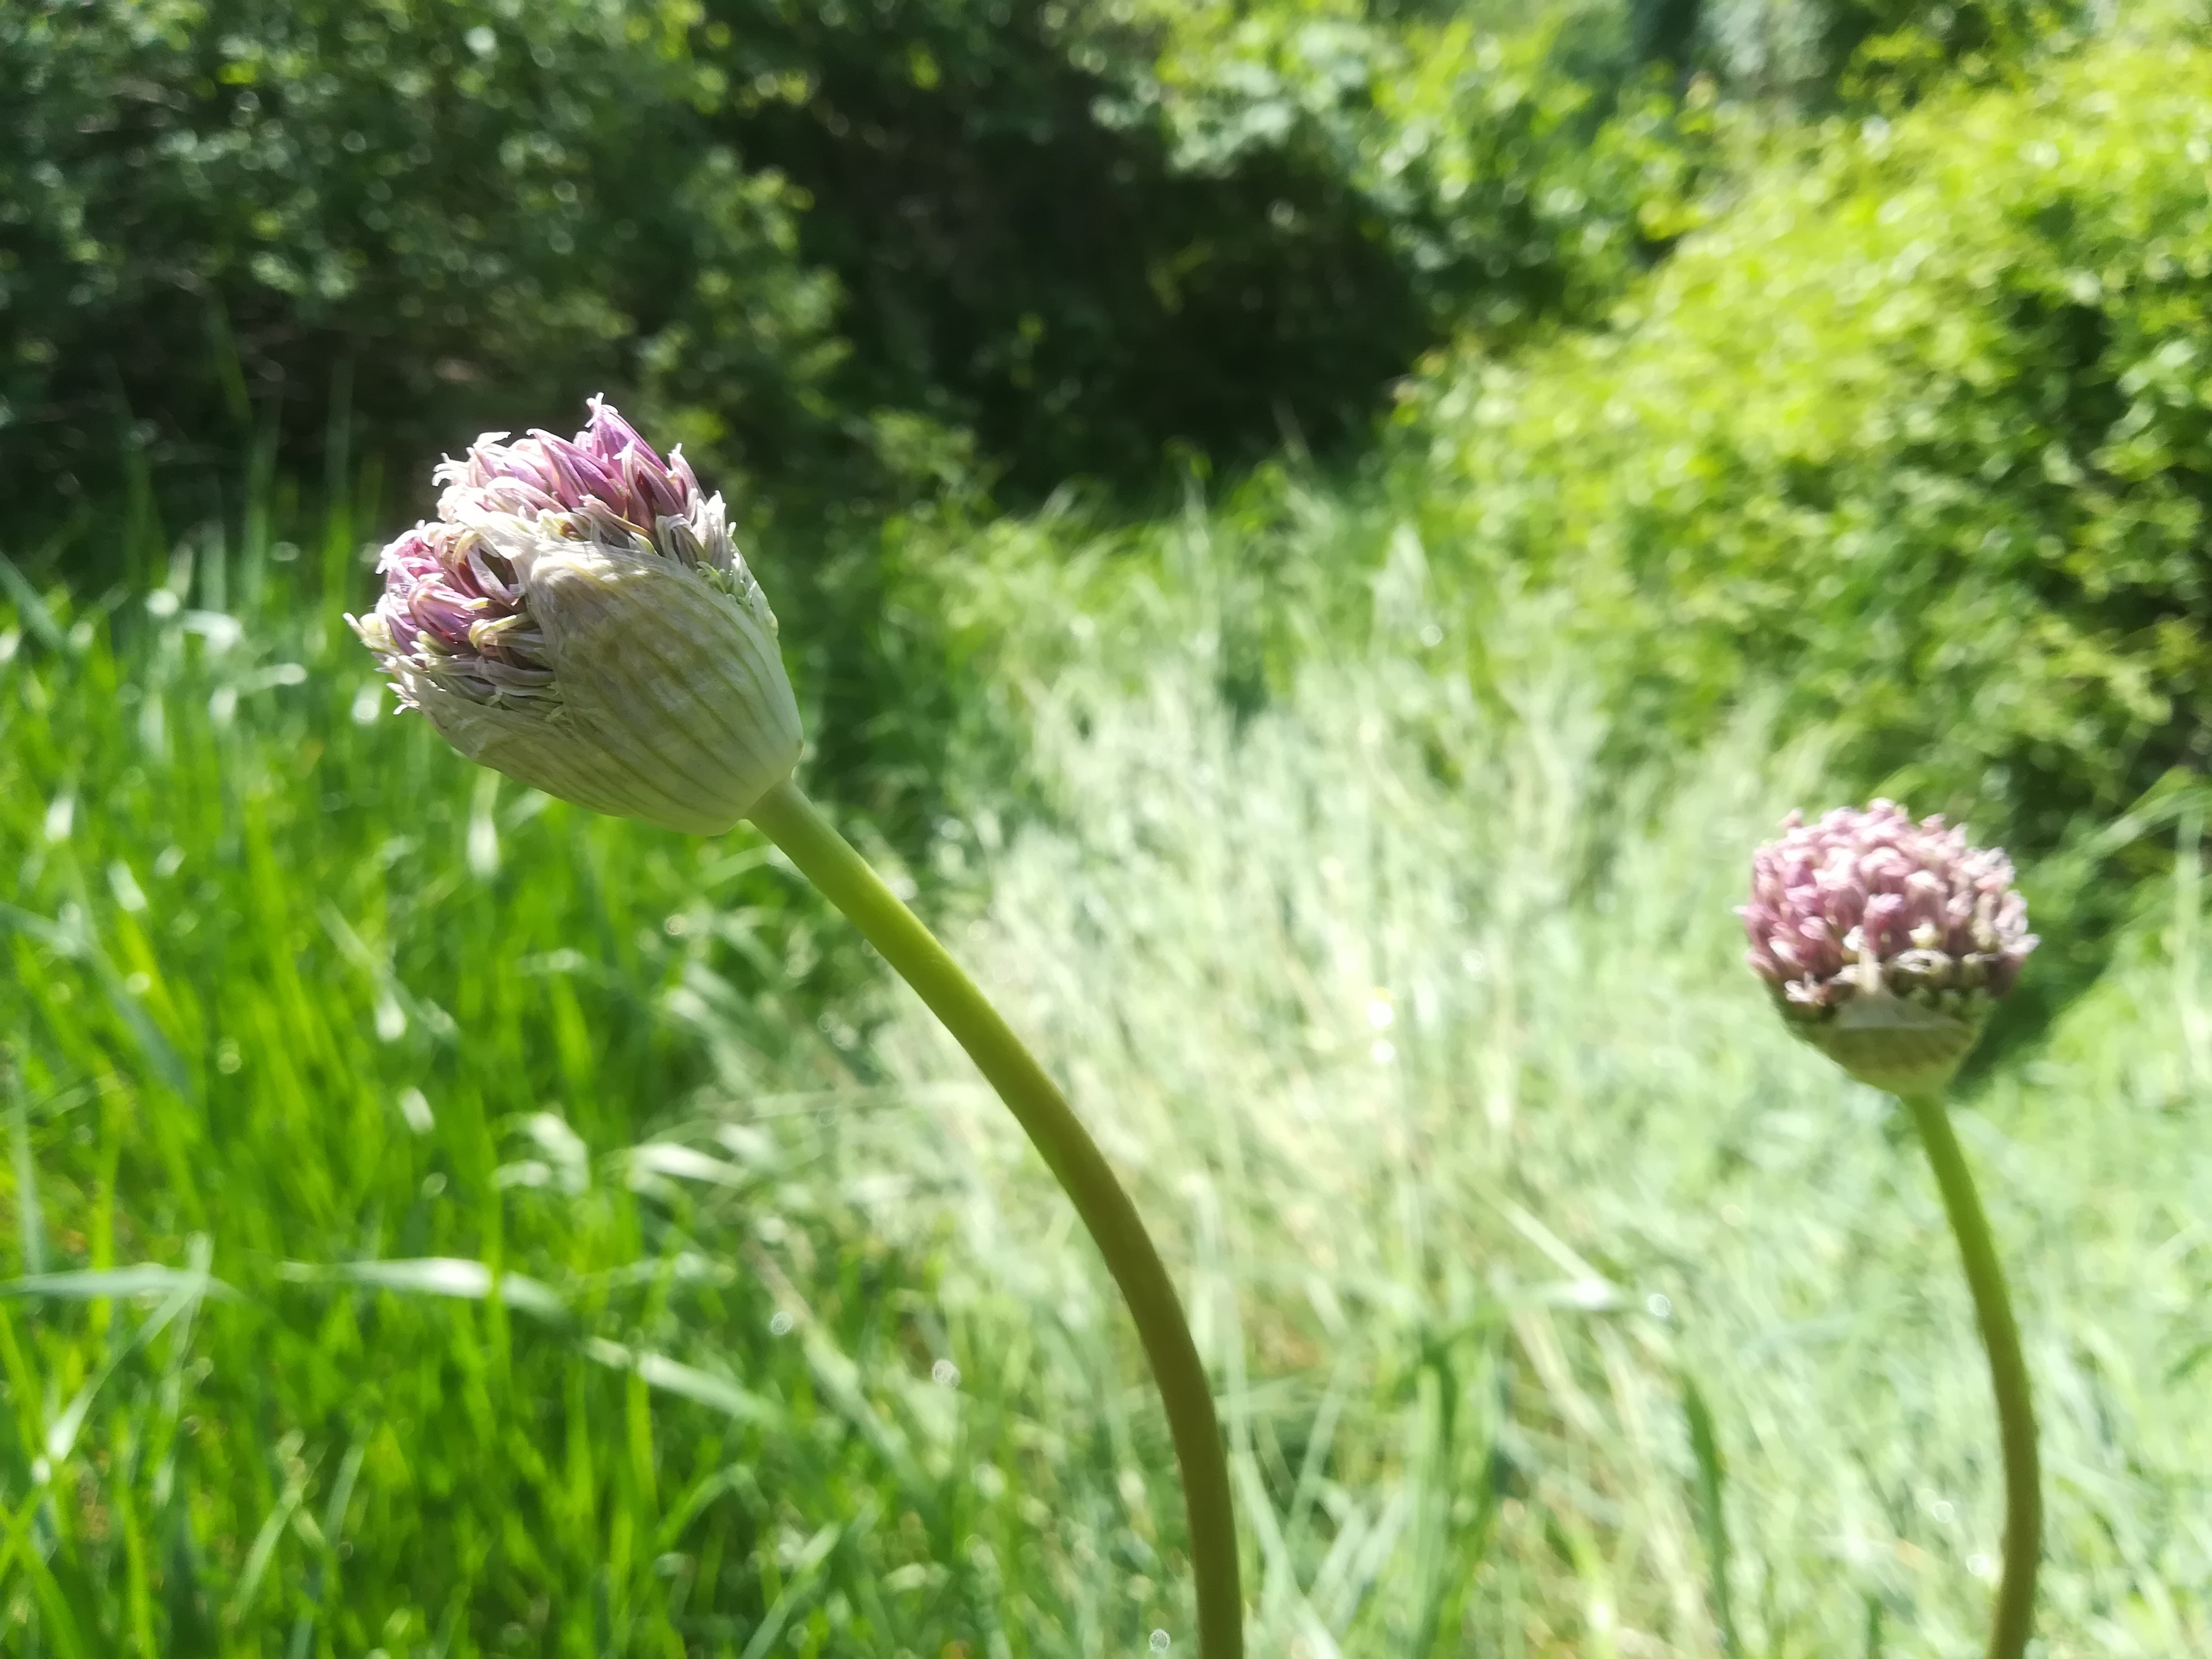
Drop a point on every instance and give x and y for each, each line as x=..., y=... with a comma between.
x=1885, y=943
x=577, y=616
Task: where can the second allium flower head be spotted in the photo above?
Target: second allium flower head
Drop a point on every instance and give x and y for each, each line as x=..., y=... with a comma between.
x=1884, y=942
x=578, y=617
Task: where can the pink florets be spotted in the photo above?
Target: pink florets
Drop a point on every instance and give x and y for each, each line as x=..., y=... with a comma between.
x=1872, y=891
x=605, y=471
x=452, y=607
x=453, y=610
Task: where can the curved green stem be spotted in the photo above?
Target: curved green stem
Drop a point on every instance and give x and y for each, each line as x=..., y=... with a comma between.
x=825, y=857
x=2023, y=1538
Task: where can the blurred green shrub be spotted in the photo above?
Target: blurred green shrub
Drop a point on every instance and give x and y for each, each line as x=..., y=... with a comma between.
x=207, y=206
x=1925, y=424
x=1084, y=231
x=1902, y=48
x=1520, y=173
x=1024, y=256
x=837, y=246
x=1818, y=53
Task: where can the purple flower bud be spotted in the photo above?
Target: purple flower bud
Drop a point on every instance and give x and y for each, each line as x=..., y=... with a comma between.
x=613, y=434
x=1884, y=942
x=578, y=617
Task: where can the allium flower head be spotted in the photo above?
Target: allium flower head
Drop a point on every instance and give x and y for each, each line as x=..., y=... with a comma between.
x=578, y=617
x=1884, y=942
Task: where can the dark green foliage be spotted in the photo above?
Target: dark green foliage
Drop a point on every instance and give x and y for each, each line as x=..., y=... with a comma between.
x=1021, y=262
x=846, y=251
x=214, y=206
x=1893, y=49
x=1666, y=31
x=850, y=255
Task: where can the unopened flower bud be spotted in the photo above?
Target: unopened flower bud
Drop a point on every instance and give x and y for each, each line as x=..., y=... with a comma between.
x=1885, y=943
x=578, y=617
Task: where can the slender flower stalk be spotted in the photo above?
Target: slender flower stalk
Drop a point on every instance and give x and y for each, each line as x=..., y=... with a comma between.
x=578, y=617
x=1885, y=944
x=790, y=820
x=2023, y=1539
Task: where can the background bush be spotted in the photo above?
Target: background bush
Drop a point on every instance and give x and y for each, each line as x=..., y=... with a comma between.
x=834, y=245
x=1923, y=425
x=435, y=216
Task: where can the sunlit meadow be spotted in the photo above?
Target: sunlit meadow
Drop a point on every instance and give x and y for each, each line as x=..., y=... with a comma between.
x=447, y=1223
